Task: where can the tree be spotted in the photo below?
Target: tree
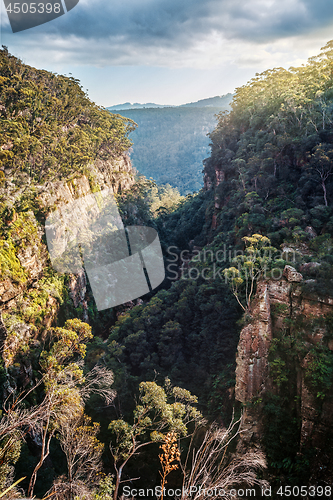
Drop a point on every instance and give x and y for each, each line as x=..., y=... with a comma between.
x=65, y=392
x=50, y=128
x=61, y=379
x=211, y=471
x=321, y=162
x=83, y=453
x=66, y=388
x=151, y=417
x=251, y=266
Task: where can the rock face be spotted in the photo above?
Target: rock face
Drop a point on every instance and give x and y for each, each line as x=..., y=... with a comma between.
x=252, y=352
x=78, y=288
x=26, y=256
x=115, y=175
x=273, y=303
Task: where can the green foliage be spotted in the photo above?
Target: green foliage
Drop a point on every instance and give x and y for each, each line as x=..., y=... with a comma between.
x=293, y=356
x=10, y=449
x=105, y=488
x=252, y=266
x=187, y=222
x=153, y=414
x=281, y=428
x=272, y=154
x=153, y=417
x=10, y=266
x=164, y=199
x=145, y=201
x=50, y=128
x=279, y=309
x=177, y=334
x=319, y=370
x=71, y=341
x=279, y=371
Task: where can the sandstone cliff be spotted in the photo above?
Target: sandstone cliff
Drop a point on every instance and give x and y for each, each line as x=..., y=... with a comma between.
x=30, y=291
x=284, y=314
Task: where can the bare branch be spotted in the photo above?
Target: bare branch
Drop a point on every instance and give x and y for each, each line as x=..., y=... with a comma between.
x=209, y=468
x=99, y=381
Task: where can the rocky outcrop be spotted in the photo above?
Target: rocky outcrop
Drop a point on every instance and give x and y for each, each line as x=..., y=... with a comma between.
x=77, y=292
x=252, y=352
x=276, y=300
x=292, y=275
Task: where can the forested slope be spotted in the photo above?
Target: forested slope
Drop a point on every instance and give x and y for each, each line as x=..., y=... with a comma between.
x=56, y=145
x=270, y=173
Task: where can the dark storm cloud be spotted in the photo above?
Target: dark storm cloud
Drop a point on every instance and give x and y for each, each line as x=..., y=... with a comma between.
x=168, y=20
x=121, y=28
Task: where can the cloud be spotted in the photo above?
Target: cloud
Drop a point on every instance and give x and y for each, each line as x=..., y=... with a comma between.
x=172, y=33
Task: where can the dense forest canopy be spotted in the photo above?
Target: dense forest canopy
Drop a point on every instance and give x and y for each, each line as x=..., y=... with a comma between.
x=49, y=127
x=270, y=173
x=274, y=151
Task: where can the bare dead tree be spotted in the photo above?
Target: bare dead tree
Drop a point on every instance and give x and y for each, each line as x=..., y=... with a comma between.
x=61, y=402
x=15, y=416
x=65, y=405
x=78, y=440
x=211, y=471
x=83, y=453
x=62, y=490
x=99, y=381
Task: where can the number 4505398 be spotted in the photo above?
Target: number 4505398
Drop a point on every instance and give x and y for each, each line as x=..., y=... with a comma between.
x=304, y=491
x=33, y=8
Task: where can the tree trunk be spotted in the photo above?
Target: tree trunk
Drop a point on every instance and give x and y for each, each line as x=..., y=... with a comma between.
x=324, y=189
x=119, y=471
x=45, y=452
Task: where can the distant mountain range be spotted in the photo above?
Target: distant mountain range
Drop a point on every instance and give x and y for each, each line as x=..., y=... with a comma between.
x=171, y=142
x=135, y=105
x=217, y=101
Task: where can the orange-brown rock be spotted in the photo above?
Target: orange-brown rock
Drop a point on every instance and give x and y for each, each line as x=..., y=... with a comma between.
x=252, y=352
x=291, y=274
x=276, y=300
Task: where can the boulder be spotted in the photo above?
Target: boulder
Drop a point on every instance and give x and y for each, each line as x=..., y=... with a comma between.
x=291, y=274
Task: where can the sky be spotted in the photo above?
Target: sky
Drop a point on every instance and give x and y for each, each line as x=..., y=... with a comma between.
x=172, y=51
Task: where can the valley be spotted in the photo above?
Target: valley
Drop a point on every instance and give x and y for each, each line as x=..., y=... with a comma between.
x=230, y=359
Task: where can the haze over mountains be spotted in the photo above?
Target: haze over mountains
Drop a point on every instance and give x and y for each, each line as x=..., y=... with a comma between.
x=217, y=101
x=171, y=142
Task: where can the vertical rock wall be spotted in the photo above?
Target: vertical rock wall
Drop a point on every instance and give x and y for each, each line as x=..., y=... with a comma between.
x=253, y=372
